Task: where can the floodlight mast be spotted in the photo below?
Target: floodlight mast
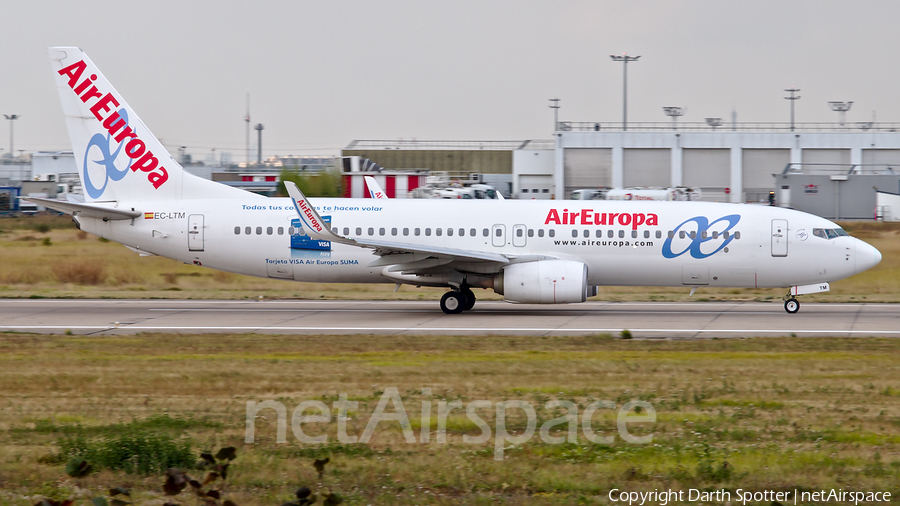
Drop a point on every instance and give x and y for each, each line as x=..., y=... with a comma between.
x=555, y=107
x=674, y=113
x=714, y=122
x=792, y=98
x=624, y=58
x=841, y=108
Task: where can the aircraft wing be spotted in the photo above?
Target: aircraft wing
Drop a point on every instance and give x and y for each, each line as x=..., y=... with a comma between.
x=410, y=256
x=93, y=210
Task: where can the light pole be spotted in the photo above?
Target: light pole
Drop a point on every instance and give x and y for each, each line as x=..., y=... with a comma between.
x=11, y=118
x=259, y=128
x=792, y=98
x=674, y=113
x=714, y=122
x=247, y=120
x=555, y=107
x=841, y=108
x=624, y=58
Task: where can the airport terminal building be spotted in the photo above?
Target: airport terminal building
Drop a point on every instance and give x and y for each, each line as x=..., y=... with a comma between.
x=738, y=163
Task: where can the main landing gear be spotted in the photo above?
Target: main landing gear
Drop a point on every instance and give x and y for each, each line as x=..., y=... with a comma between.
x=791, y=305
x=457, y=301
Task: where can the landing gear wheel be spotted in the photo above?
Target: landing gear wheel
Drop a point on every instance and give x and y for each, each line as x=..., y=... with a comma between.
x=470, y=299
x=453, y=302
x=792, y=305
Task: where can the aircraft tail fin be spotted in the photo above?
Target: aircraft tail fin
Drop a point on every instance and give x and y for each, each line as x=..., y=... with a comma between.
x=117, y=156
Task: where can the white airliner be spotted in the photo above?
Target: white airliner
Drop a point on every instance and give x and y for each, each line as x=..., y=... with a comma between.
x=534, y=251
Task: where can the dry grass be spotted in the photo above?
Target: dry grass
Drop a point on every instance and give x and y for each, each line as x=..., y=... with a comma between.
x=784, y=413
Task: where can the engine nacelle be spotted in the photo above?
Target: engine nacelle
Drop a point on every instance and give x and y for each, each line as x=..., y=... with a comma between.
x=544, y=282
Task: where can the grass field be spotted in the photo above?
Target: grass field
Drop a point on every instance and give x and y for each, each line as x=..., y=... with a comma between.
x=48, y=257
x=751, y=414
x=755, y=414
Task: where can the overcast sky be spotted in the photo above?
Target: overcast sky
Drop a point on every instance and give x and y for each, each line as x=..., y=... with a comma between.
x=321, y=74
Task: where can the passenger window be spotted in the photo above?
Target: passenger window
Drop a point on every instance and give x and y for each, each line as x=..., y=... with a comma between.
x=346, y=231
x=334, y=229
x=540, y=232
x=438, y=231
x=462, y=232
x=237, y=230
x=281, y=231
x=646, y=234
x=634, y=234
x=693, y=234
x=258, y=230
x=247, y=230
x=473, y=232
x=428, y=232
x=703, y=234
x=417, y=231
x=485, y=232
x=530, y=232
x=681, y=234
x=672, y=234
x=737, y=235
x=621, y=234
x=381, y=231
x=498, y=232
x=519, y=232
x=290, y=230
x=371, y=231
x=449, y=232
x=715, y=234
x=269, y=231
x=587, y=233
x=551, y=233
x=574, y=233
x=599, y=234
x=394, y=231
x=358, y=231
x=405, y=231
x=610, y=234
x=725, y=235
x=659, y=234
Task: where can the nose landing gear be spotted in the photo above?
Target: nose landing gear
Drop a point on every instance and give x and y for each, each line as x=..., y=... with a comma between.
x=791, y=305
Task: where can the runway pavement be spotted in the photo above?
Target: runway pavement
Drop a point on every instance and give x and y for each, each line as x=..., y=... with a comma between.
x=643, y=319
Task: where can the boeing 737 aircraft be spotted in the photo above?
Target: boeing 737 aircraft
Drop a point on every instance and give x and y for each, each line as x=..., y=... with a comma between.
x=535, y=251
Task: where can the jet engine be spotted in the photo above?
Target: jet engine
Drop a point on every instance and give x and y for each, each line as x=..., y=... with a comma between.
x=544, y=282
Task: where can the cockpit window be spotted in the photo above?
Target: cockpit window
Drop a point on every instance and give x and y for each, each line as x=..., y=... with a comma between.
x=829, y=233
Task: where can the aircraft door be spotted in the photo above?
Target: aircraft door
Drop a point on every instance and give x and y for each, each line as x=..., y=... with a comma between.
x=498, y=235
x=519, y=232
x=779, y=238
x=195, y=232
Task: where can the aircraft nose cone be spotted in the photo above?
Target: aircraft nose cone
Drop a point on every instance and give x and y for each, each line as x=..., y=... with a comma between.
x=867, y=256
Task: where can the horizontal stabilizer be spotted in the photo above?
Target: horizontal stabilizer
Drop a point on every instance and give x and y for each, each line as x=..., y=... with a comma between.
x=94, y=210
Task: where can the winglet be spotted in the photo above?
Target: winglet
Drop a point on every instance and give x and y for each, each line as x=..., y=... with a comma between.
x=312, y=222
x=375, y=189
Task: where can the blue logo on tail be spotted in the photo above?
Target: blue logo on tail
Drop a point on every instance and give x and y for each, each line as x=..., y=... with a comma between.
x=104, y=144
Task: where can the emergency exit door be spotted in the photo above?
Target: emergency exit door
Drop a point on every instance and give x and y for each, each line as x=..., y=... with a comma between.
x=779, y=238
x=195, y=232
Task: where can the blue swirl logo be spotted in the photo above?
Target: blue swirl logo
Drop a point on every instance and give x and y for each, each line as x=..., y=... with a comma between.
x=108, y=160
x=702, y=236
